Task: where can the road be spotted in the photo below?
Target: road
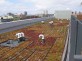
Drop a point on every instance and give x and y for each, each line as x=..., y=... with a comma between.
x=10, y=26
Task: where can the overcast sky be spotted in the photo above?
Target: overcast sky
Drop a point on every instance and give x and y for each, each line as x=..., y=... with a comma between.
x=36, y=6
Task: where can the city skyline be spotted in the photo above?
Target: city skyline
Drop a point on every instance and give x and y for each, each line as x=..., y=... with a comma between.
x=38, y=6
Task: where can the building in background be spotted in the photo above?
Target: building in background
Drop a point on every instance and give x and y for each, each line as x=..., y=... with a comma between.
x=63, y=14
x=25, y=13
x=6, y=18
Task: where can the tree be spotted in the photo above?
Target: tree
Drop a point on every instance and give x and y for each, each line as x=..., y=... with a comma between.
x=10, y=14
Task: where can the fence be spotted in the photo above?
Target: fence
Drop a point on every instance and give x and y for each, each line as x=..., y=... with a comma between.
x=74, y=41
